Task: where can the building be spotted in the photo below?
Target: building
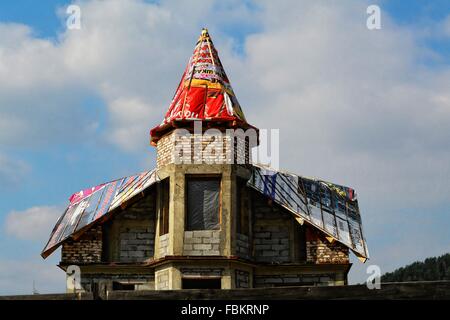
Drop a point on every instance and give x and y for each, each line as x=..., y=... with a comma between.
x=207, y=217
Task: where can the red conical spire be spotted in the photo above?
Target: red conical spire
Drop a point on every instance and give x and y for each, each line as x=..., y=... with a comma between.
x=204, y=93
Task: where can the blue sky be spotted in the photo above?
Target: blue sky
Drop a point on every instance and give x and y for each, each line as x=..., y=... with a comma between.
x=78, y=111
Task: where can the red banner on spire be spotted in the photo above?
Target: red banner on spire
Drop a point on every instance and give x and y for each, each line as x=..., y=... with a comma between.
x=204, y=92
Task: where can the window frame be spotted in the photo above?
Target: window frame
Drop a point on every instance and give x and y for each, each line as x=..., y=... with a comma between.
x=186, y=190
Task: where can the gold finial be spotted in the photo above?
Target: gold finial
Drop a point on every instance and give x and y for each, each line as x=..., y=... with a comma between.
x=205, y=32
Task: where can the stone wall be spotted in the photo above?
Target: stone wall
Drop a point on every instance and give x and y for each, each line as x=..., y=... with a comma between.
x=198, y=149
x=164, y=245
x=137, y=243
x=242, y=246
x=242, y=279
x=272, y=243
x=320, y=250
x=262, y=281
x=162, y=280
x=201, y=243
x=271, y=231
x=201, y=272
x=87, y=249
x=130, y=233
x=164, y=150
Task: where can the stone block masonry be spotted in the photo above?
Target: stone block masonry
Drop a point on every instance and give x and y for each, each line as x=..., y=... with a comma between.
x=271, y=231
x=242, y=279
x=134, y=229
x=271, y=243
x=242, y=246
x=202, y=272
x=137, y=243
x=162, y=280
x=164, y=245
x=294, y=280
x=173, y=148
x=87, y=249
x=201, y=243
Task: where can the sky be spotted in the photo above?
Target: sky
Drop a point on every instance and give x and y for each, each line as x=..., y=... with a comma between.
x=365, y=108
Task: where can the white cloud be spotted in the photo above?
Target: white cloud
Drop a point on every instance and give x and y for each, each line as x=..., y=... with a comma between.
x=35, y=223
x=12, y=171
x=129, y=117
x=39, y=97
x=17, y=276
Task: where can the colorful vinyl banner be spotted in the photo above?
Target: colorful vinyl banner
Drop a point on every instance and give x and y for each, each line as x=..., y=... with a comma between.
x=331, y=208
x=89, y=205
x=204, y=91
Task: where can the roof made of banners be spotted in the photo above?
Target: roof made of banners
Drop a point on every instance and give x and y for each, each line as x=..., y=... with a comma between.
x=330, y=208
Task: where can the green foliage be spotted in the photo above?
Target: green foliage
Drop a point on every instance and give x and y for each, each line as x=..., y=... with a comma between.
x=428, y=270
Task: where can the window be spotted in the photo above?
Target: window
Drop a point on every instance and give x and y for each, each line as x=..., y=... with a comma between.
x=202, y=203
x=211, y=283
x=242, y=207
x=164, y=212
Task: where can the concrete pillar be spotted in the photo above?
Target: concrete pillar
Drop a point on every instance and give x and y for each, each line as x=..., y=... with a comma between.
x=228, y=279
x=227, y=210
x=175, y=279
x=176, y=212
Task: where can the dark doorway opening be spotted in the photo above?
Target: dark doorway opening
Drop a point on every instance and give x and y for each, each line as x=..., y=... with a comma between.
x=212, y=283
x=123, y=286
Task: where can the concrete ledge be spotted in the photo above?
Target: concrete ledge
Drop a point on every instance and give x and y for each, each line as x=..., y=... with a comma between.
x=435, y=290
x=56, y=296
x=429, y=290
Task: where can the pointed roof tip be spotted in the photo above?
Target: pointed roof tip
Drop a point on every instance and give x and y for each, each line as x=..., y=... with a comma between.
x=204, y=93
x=204, y=35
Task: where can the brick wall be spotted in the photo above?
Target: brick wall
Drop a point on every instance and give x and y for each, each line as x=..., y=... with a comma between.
x=164, y=150
x=87, y=249
x=242, y=279
x=275, y=238
x=202, y=243
x=200, y=272
x=164, y=245
x=173, y=148
x=271, y=243
x=242, y=246
x=262, y=281
x=320, y=250
x=162, y=280
x=137, y=243
x=130, y=233
x=271, y=231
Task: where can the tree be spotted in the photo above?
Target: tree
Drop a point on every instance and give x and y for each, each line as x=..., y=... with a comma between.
x=432, y=269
